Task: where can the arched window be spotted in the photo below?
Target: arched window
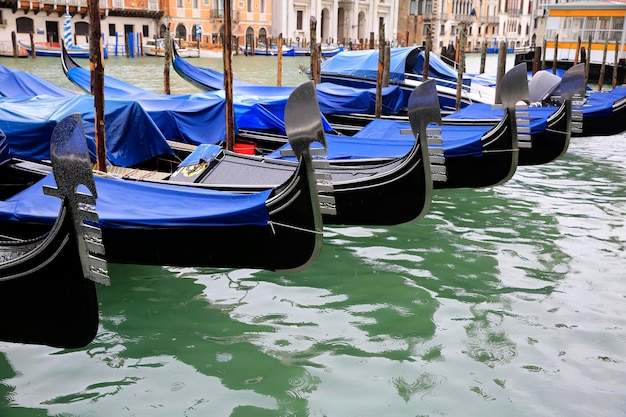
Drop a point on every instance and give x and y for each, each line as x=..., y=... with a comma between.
x=263, y=35
x=181, y=32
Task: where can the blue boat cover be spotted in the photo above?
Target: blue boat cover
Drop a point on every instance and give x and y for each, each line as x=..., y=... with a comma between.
x=5, y=155
x=383, y=139
x=479, y=111
x=600, y=103
x=364, y=63
x=200, y=118
x=339, y=99
x=130, y=204
x=209, y=78
x=15, y=83
x=202, y=153
x=130, y=134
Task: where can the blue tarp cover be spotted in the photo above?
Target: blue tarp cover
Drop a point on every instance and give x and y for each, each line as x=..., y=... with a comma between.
x=209, y=78
x=600, y=103
x=130, y=134
x=17, y=84
x=383, y=139
x=5, y=155
x=364, y=63
x=129, y=204
x=478, y=111
x=200, y=118
x=338, y=99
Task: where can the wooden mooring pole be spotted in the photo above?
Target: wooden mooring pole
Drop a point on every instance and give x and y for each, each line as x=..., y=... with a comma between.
x=279, y=71
x=381, y=69
x=228, y=75
x=96, y=67
x=500, y=71
x=461, y=65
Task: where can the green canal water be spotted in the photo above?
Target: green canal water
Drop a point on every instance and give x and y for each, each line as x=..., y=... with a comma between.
x=502, y=301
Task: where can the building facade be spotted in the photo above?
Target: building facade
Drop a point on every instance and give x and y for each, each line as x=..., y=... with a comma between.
x=347, y=21
x=484, y=21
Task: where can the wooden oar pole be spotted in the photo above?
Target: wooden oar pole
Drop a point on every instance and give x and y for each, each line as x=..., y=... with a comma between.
x=461, y=66
x=97, y=82
x=166, y=65
x=577, y=52
x=603, y=65
x=381, y=69
x=228, y=76
x=279, y=72
x=543, y=55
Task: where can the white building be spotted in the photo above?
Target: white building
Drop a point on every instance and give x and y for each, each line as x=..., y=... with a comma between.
x=337, y=21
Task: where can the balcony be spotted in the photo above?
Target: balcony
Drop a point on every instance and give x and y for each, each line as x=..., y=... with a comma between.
x=136, y=8
x=217, y=15
x=491, y=20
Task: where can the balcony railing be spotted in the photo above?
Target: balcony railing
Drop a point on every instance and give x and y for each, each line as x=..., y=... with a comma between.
x=219, y=14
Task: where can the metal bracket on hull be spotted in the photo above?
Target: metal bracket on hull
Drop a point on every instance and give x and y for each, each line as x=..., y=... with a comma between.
x=72, y=167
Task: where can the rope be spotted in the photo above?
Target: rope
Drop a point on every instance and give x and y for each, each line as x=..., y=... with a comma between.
x=288, y=226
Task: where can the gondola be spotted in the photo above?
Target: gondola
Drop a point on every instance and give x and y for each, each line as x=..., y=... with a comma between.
x=172, y=224
x=491, y=160
x=388, y=193
x=549, y=127
x=47, y=282
x=475, y=156
x=395, y=191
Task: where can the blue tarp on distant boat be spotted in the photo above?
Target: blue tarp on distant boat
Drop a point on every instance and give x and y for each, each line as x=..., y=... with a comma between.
x=407, y=60
x=200, y=118
x=129, y=204
x=131, y=135
x=600, y=103
x=365, y=63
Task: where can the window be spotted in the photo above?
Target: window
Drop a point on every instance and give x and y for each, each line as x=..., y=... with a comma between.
x=81, y=28
x=145, y=31
x=179, y=3
x=262, y=6
x=249, y=7
x=412, y=8
x=299, y=20
x=111, y=29
x=25, y=25
x=195, y=4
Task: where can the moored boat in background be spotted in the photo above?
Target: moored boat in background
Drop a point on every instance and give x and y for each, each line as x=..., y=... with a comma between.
x=54, y=49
